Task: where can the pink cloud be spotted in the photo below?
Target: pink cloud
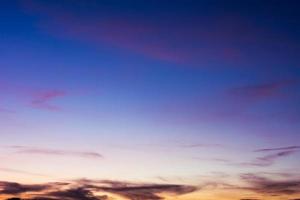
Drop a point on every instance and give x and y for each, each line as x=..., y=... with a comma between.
x=267, y=90
x=167, y=41
x=42, y=99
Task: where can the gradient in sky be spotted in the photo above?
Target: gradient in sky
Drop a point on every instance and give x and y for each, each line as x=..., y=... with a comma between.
x=150, y=99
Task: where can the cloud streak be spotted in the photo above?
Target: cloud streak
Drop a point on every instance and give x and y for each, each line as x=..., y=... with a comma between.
x=272, y=156
x=56, y=152
x=289, y=148
x=269, y=159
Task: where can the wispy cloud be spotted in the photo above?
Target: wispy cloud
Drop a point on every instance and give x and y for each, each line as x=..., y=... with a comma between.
x=264, y=90
x=170, y=39
x=56, y=152
x=39, y=98
x=269, y=159
x=42, y=99
x=201, y=145
x=289, y=148
x=272, y=155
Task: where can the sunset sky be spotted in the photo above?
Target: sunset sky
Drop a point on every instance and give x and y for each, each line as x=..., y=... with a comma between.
x=150, y=99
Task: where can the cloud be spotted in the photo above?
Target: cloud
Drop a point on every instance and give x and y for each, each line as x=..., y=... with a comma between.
x=289, y=148
x=201, y=145
x=269, y=159
x=268, y=186
x=132, y=34
x=138, y=190
x=260, y=161
x=262, y=91
x=75, y=194
x=87, y=190
x=149, y=192
x=13, y=188
x=39, y=98
x=56, y=152
x=42, y=99
x=250, y=199
x=174, y=38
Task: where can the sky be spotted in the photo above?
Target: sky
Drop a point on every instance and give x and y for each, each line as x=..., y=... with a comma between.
x=149, y=100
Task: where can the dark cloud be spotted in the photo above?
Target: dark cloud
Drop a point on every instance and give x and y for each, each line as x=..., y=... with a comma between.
x=249, y=199
x=268, y=186
x=75, y=194
x=140, y=191
x=149, y=192
x=289, y=148
x=57, y=152
x=86, y=189
x=16, y=188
